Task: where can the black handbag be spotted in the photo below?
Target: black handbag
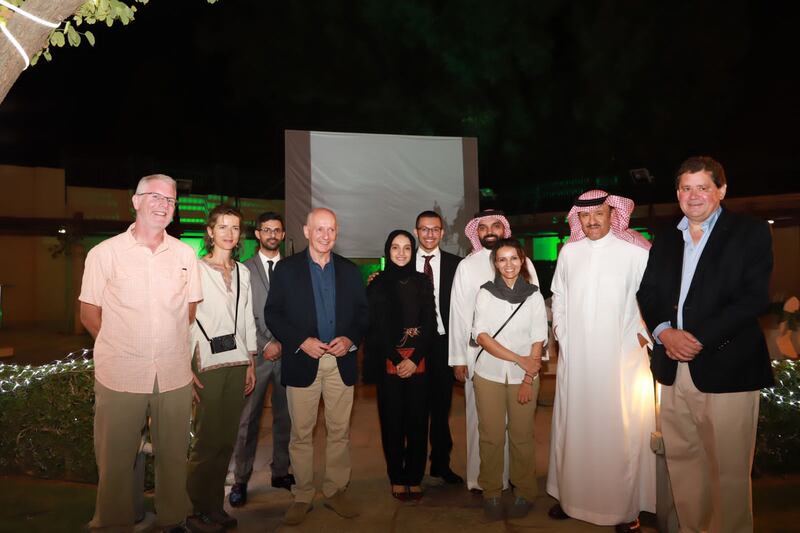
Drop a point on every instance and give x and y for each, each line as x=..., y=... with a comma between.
x=225, y=343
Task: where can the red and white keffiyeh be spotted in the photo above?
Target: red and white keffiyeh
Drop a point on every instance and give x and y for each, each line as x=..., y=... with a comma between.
x=620, y=217
x=471, y=230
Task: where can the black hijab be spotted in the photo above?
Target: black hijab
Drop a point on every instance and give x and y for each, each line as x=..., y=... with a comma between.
x=392, y=271
x=405, y=286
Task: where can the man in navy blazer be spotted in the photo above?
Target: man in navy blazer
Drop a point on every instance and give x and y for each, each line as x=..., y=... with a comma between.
x=705, y=286
x=317, y=309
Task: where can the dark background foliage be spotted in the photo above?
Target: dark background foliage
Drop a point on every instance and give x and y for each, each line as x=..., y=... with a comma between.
x=553, y=89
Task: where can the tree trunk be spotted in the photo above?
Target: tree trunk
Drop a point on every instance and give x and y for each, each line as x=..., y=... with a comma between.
x=31, y=35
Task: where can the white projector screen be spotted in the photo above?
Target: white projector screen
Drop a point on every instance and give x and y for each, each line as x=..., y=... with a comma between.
x=378, y=183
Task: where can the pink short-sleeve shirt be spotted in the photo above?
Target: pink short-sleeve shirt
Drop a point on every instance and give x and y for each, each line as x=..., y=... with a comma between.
x=144, y=297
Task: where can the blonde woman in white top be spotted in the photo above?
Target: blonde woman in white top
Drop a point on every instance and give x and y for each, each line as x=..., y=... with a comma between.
x=510, y=325
x=224, y=344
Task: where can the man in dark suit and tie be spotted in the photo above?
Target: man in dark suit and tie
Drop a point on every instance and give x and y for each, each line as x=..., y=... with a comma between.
x=270, y=233
x=317, y=309
x=440, y=267
x=701, y=295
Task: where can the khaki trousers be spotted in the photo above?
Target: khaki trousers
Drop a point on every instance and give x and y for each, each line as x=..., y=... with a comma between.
x=303, y=408
x=118, y=422
x=216, y=424
x=709, y=441
x=496, y=403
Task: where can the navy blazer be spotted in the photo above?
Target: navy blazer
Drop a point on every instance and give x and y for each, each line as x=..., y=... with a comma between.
x=729, y=291
x=291, y=316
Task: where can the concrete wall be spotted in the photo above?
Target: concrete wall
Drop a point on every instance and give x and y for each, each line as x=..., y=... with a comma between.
x=32, y=192
x=35, y=284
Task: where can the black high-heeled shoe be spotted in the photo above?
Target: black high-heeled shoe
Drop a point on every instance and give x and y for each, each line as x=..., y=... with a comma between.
x=416, y=496
x=401, y=495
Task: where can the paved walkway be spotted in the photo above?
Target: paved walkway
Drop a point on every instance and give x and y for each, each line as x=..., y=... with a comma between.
x=443, y=509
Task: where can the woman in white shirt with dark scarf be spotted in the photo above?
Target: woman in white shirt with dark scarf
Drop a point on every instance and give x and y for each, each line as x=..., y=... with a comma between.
x=510, y=325
x=224, y=343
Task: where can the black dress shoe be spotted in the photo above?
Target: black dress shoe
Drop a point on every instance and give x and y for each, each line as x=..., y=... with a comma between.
x=283, y=482
x=238, y=495
x=628, y=527
x=557, y=513
x=449, y=477
x=401, y=495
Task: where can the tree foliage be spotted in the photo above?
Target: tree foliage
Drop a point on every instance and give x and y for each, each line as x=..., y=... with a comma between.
x=73, y=16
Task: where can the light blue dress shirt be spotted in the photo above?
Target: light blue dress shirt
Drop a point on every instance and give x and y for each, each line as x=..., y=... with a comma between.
x=691, y=256
x=323, y=283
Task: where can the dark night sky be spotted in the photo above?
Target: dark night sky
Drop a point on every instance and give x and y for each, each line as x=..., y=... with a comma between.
x=553, y=89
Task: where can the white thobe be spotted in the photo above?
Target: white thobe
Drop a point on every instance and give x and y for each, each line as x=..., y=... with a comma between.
x=601, y=467
x=473, y=271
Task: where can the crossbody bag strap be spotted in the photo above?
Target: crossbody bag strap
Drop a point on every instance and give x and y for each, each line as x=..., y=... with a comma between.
x=501, y=327
x=236, y=312
x=238, y=289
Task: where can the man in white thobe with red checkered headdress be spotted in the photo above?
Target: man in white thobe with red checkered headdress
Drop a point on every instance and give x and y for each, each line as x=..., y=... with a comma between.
x=483, y=231
x=601, y=467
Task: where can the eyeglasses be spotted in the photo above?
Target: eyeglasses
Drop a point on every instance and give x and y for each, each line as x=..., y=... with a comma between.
x=270, y=231
x=434, y=231
x=158, y=198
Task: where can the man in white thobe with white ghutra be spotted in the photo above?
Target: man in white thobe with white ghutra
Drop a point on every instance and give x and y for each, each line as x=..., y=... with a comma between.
x=602, y=469
x=483, y=231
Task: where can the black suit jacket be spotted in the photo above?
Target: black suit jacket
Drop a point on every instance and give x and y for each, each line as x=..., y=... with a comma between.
x=291, y=316
x=729, y=291
x=447, y=271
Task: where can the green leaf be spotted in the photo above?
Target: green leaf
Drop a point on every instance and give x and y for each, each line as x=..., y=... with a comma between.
x=89, y=37
x=58, y=39
x=109, y=22
x=35, y=58
x=78, y=20
x=46, y=54
x=73, y=36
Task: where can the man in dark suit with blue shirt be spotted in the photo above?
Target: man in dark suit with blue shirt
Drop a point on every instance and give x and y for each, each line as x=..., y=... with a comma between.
x=705, y=286
x=317, y=309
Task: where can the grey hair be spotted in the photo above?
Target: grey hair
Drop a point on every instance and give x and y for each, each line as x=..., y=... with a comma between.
x=152, y=177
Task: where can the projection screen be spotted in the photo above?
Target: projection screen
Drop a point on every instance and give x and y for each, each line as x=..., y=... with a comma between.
x=377, y=183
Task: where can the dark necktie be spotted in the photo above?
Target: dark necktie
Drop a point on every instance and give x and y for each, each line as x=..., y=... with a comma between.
x=270, y=266
x=427, y=269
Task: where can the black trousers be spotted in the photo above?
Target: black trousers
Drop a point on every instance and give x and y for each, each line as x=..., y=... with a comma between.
x=402, y=408
x=440, y=398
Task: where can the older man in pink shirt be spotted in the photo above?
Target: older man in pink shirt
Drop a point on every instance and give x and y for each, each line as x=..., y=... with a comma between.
x=139, y=294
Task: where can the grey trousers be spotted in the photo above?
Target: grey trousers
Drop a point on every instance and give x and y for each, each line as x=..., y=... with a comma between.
x=244, y=452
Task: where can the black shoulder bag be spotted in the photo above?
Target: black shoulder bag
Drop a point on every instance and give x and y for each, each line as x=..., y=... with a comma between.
x=226, y=343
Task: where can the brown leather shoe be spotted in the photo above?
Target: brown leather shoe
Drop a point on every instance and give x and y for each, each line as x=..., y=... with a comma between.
x=342, y=505
x=202, y=523
x=296, y=513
